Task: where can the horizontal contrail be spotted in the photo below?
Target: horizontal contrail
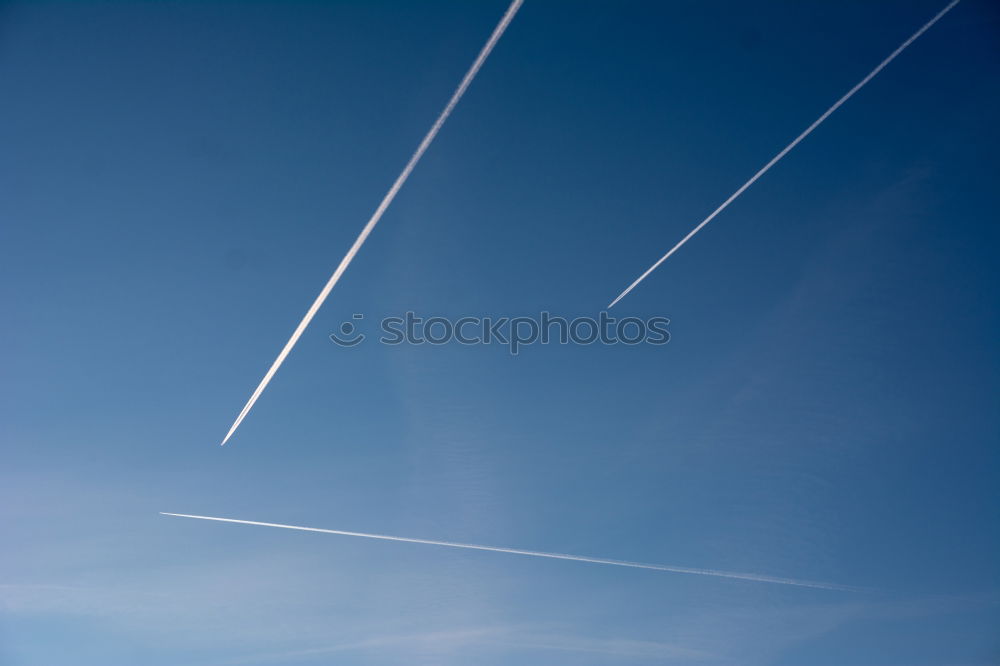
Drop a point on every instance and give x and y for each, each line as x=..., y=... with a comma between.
x=377, y=215
x=555, y=556
x=786, y=149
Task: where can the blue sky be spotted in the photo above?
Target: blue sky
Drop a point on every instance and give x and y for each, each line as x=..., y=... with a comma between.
x=177, y=180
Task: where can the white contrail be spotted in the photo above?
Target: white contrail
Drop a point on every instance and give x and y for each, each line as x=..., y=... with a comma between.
x=555, y=556
x=787, y=148
x=377, y=215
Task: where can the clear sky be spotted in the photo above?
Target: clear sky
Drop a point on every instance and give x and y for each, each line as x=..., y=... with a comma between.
x=177, y=181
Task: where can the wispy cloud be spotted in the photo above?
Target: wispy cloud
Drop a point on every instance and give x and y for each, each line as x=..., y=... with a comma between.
x=501, y=637
x=617, y=647
x=759, y=578
x=446, y=641
x=377, y=215
x=784, y=151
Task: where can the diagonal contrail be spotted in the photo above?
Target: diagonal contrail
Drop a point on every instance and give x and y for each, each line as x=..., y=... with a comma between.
x=377, y=215
x=786, y=149
x=555, y=556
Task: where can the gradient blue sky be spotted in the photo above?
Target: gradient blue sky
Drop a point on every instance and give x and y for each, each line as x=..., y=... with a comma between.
x=177, y=180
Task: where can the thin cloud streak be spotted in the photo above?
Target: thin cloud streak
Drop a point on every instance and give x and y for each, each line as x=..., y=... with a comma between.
x=532, y=553
x=788, y=148
x=491, y=638
x=377, y=215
